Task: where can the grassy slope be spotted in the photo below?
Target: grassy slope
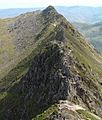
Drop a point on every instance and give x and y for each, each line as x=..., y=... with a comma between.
x=10, y=55
x=86, y=115
x=84, y=52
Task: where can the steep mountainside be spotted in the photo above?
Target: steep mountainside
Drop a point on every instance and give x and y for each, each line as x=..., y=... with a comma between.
x=60, y=79
x=93, y=32
x=17, y=39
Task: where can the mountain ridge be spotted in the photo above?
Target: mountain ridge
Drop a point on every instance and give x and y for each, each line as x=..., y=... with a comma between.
x=57, y=69
x=74, y=13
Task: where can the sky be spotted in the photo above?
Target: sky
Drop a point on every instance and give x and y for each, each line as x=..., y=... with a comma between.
x=45, y=3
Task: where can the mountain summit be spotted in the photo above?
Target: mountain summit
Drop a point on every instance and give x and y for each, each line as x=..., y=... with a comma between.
x=48, y=10
x=59, y=80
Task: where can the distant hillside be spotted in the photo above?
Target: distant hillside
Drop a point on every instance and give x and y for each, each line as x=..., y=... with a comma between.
x=6, y=13
x=93, y=32
x=81, y=14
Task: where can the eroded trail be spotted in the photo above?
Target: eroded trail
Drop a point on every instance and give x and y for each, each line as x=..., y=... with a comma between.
x=67, y=105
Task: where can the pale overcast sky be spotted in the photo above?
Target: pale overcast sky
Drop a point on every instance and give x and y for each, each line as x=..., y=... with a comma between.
x=44, y=3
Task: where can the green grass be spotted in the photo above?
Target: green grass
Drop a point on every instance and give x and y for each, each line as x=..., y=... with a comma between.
x=86, y=115
x=7, y=47
x=46, y=113
x=2, y=95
